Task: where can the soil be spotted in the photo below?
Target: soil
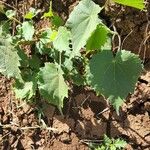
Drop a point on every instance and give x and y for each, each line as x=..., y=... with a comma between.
x=87, y=117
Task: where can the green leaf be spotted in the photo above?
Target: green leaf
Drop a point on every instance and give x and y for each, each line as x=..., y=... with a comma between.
x=57, y=21
x=18, y=35
x=83, y=21
x=53, y=35
x=61, y=42
x=52, y=85
x=116, y=102
x=2, y=7
x=133, y=3
x=24, y=60
x=4, y=28
x=27, y=30
x=100, y=148
x=49, y=14
x=25, y=90
x=120, y=143
x=108, y=45
x=46, y=35
x=107, y=140
x=112, y=147
x=114, y=77
x=9, y=59
x=32, y=13
x=68, y=63
x=109, y=144
x=43, y=46
x=10, y=13
x=34, y=62
x=77, y=78
x=98, y=38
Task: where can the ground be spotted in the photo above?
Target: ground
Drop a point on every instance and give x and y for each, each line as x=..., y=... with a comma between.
x=87, y=117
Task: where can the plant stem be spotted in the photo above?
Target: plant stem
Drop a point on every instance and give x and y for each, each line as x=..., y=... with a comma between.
x=16, y=20
x=60, y=59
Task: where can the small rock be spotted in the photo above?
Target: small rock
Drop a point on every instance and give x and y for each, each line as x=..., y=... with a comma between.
x=65, y=138
x=147, y=106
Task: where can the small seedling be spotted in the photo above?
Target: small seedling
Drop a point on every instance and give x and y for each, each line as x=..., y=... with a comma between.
x=50, y=66
x=109, y=144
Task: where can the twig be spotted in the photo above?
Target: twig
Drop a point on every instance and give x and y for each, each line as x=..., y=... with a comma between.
x=119, y=38
x=85, y=100
x=8, y=5
x=4, y=136
x=104, y=110
x=90, y=141
x=38, y=127
x=6, y=126
x=126, y=38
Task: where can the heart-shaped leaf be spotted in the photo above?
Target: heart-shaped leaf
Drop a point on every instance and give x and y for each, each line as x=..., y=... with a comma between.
x=114, y=77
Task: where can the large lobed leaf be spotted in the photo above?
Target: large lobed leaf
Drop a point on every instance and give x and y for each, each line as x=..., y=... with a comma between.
x=52, y=85
x=83, y=21
x=114, y=77
x=133, y=3
x=61, y=42
x=9, y=59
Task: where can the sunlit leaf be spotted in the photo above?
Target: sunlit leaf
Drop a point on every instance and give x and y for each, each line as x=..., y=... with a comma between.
x=25, y=90
x=98, y=38
x=83, y=21
x=61, y=42
x=9, y=59
x=27, y=30
x=133, y=3
x=52, y=85
x=32, y=13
